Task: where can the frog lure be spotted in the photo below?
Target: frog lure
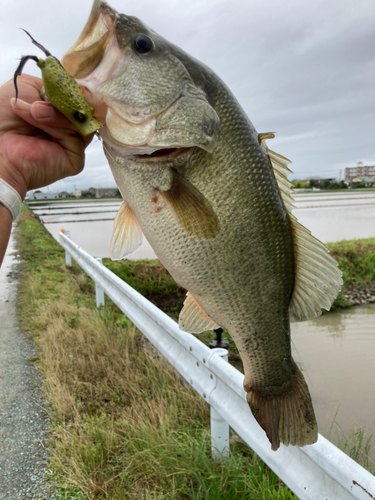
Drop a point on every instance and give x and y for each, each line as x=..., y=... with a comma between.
x=61, y=90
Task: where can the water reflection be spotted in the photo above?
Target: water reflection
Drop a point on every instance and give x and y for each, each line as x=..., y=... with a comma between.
x=333, y=324
x=337, y=353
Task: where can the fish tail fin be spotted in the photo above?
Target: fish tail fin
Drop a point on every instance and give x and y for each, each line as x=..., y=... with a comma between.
x=287, y=417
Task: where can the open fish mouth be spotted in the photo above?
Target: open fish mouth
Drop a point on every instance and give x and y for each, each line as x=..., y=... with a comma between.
x=166, y=155
x=144, y=110
x=161, y=153
x=144, y=152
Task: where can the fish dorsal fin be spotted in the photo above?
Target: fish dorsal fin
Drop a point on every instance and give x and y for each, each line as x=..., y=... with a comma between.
x=317, y=279
x=127, y=235
x=191, y=208
x=193, y=318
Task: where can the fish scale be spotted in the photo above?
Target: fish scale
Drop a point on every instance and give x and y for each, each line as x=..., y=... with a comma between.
x=215, y=204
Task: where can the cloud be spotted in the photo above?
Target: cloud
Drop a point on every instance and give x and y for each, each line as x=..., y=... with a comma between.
x=304, y=69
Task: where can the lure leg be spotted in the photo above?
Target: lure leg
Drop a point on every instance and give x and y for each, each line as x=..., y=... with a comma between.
x=18, y=71
x=47, y=52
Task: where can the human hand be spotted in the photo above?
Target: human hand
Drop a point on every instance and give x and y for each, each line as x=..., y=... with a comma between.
x=38, y=145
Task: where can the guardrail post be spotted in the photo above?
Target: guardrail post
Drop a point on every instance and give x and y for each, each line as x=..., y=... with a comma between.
x=68, y=257
x=99, y=292
x=219, y=427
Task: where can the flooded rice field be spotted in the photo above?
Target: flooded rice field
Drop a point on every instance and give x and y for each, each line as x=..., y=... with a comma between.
x=337, y=216
x=90, y=223
x=329, y=216
x=336, y=351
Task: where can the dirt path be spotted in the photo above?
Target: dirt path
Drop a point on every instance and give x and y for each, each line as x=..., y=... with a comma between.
x=23, y=419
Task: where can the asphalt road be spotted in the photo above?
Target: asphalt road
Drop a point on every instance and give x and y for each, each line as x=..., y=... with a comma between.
x=23, y=417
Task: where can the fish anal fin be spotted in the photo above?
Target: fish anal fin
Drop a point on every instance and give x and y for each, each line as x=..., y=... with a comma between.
x=317, y=278
x=287, y=417
x=193, y=318
x=191, y=208
x=127, y=235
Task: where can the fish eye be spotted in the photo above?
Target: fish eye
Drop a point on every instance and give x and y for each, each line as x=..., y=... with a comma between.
x=143, y=44
x=80, y=117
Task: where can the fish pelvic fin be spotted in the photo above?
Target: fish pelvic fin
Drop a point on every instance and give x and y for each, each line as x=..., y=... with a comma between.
x=191, y=208
x=127, y=235
x=317, y=278
x=193, y=318
x=287, y=417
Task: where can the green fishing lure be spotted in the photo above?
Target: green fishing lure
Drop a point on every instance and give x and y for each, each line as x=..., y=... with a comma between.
x=62, y=91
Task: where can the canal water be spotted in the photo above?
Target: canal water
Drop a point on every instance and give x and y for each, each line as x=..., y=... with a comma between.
x=335, y=351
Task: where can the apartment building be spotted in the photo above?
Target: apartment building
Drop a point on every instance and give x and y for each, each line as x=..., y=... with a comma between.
x=359, y=170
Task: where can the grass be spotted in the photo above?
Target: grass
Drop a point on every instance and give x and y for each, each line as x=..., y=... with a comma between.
x=357, y=445
x=152, y=280
x=356, y=260
x=124, y=424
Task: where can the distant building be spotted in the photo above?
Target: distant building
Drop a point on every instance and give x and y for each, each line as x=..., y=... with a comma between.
x=63, y=194
x=44, y=196
x=98, y=192
x=359, y=171
x=88, y=192
x=367, y=181
x=77, y=193
x=101, y=192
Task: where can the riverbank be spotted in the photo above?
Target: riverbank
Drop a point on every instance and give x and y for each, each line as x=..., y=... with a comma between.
x=356, y=259
x=124, y=426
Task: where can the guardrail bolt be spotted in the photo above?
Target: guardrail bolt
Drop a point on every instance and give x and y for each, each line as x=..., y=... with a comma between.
x=218, y=342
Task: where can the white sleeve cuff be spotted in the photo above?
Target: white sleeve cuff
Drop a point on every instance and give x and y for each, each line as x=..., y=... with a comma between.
x=10, y=199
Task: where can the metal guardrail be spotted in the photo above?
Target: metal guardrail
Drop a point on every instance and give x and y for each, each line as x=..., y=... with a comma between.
x=316, y=472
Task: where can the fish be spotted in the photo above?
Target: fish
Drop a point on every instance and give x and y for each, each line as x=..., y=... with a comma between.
x=60, y=88
x=201, y=184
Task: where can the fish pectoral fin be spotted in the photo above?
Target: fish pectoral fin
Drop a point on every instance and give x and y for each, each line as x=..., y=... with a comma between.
x=127, y=235
x=317, y=278
x=287, y=417
x=191, y=208
x=193, y=318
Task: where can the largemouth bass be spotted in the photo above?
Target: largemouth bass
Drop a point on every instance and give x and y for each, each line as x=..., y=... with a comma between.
x=213, y=201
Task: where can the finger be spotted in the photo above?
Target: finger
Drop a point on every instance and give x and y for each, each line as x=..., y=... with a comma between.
x=46, y=117
x=45, y=112
x=72, y=144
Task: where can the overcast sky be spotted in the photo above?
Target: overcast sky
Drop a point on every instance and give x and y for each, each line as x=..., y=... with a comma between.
x=303, y=69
